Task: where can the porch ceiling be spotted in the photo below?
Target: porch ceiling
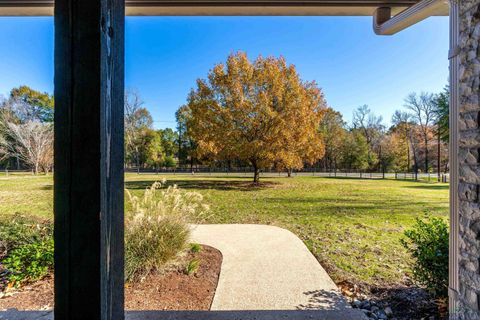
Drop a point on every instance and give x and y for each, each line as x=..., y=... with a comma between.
x=226, y=7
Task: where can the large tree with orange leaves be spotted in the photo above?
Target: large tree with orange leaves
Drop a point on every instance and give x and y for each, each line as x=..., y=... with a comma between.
x=259, y=111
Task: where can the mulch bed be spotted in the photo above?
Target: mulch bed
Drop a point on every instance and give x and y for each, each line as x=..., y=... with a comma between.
x=406, y=300
x=172, y=290
x=411, y=302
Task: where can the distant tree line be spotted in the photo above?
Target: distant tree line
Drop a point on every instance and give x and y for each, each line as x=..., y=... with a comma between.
x=258, y=114
x=146, y=147
x=416, y=141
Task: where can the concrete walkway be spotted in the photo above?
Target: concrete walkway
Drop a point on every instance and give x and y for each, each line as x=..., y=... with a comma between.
x=268, y=268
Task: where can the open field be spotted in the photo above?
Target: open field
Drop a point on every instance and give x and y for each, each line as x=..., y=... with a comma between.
x=353, y=226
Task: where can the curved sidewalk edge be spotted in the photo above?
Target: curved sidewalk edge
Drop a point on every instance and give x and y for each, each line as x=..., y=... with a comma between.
x=269, y=268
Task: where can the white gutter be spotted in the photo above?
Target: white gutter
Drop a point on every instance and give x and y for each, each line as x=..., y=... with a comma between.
x=385, y=24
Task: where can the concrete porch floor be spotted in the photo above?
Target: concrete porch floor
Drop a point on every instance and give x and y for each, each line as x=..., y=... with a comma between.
x=206, y=315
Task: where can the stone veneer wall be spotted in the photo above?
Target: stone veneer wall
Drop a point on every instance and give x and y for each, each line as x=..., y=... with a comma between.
x=469, y=160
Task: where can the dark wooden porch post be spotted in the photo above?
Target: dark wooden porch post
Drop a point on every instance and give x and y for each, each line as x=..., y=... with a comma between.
x=88, y=197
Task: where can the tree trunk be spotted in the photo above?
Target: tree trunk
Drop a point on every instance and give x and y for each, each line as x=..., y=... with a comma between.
x=179, y=154
x=426, y=155
x=408, y=157
x=438, y=154
x=137, y=159
x=289, y=173
x=256, y=176
x=415, y=165
x=256, y=173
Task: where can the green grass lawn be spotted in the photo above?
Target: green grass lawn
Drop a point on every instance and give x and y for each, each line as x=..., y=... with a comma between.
x=352, y=226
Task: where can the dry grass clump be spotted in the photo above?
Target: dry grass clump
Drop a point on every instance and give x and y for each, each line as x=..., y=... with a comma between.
x=156, y=227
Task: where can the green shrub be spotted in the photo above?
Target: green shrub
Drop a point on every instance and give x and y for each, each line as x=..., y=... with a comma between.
x=169, y=162
x=30, y=262
x=427, y=242
x=195, y=247
x=20, y=230
x=192, y=267
x=156, y=227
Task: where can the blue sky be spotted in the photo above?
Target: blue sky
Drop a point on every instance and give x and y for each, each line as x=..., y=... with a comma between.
x=164, y=56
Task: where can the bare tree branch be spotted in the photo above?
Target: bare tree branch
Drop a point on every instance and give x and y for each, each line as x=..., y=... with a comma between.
x=31, y=142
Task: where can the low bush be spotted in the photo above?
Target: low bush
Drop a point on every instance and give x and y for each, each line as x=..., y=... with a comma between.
x=192, y=267
x=427, y=242
x=29, y=262
x=169, y=162
x=19, y=230
x=156, y=227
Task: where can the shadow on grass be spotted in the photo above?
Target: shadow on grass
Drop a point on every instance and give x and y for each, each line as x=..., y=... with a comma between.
x=429, y=187
x=225, y=185
x=359, y=205
x=366, y=177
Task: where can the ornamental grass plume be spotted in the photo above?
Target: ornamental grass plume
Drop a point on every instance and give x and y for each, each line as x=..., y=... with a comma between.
x=156, y=227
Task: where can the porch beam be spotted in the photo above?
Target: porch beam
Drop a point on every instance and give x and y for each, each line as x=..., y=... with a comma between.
x=223, y=7
x=88, y=180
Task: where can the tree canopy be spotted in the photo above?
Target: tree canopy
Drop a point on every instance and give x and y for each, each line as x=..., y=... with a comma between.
x=259, y=111
x=31, y=105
